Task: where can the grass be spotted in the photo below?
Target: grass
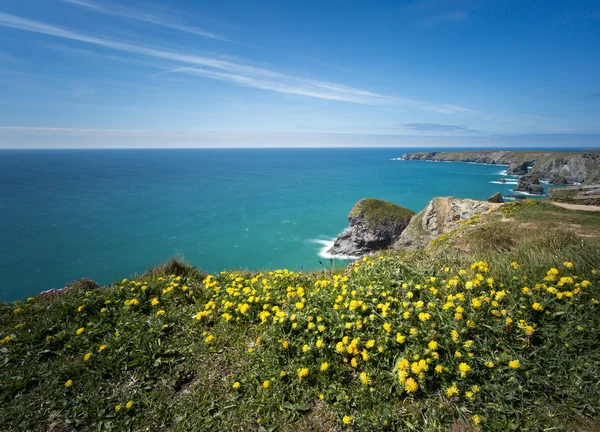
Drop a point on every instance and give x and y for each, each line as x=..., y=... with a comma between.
x=523, y=287
x=379, y=212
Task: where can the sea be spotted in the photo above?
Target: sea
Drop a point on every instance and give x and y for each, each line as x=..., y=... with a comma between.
x=110, y=214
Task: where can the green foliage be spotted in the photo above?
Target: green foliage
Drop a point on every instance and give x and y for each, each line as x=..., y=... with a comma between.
x=378, y=212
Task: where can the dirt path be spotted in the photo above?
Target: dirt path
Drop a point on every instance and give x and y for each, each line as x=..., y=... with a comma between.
x=576, y=206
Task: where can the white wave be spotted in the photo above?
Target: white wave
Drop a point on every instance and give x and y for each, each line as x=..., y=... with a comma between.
x=324, y=251
x=509, y=198
x=397, y=158
x=527, y=193
x=508, y=182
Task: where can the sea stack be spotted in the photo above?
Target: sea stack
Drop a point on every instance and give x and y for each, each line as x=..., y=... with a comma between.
x=374, y=225
x=530, y=183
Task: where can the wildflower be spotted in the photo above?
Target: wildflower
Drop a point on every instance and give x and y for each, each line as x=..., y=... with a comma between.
x=302, y=372
x=129, y=404
x=319, y=343
x=236, y=385
x=266, y=384
x=387, y=327
x=476, y=419
x=324, y=366
x=209, y=339
x=353, y=362
x=87, y=356
x=464, y=369
x=439, y=369
x=514, y=364
x=370, y=343
x=424, y=316
x=80, y=330
x=568, y=264
x=451, y=391
x=347, y=420
x=80, y=308
x=160, y=312
x=411, y=386
x=69, y=383
x=537, y=306
x=364, y=378
x=117, y=408
x=399, y=338
x=103, y=310
x=102, y=348
x=433, y=345
x=282, y=373
x=489, y=364
x=154, y=301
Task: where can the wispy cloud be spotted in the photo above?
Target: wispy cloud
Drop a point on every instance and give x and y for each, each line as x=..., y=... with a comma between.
x=110, y=8
x=437, y=127
x=57, y=137
x=231, y=71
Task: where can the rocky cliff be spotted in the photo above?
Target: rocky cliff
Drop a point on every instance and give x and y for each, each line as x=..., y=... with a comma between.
x=554, y=167
x=374, y=225
x=441, y=215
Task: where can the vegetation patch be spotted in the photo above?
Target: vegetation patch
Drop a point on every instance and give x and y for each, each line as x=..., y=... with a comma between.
x=378, y=212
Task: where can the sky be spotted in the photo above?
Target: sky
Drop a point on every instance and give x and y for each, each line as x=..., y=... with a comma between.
x=241, y=73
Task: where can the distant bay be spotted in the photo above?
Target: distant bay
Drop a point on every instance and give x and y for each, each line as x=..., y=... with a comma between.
x=105, y=214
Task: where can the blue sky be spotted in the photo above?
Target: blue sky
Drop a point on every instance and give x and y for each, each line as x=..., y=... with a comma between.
x=92, y=73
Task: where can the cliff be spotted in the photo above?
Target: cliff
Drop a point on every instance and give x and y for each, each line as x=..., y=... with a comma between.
x=554, y=167
x=374, y=225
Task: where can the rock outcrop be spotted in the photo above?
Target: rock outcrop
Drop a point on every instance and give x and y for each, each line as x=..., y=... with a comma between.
x=530, y=183
x=555, y=167
x=374, y=225
x=441, y=215
x=519, y=168
x=496, y=198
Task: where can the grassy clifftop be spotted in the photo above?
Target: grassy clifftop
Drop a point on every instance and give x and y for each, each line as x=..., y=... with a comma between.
x=492, y=328
x=377, y=212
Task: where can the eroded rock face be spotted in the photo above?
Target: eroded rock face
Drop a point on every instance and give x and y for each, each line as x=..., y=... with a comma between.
x=441, y=215
x=374, y=225
x=530, y=183
x=519, y=168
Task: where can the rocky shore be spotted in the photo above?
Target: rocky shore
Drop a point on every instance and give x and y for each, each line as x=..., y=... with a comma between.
x=553, y=167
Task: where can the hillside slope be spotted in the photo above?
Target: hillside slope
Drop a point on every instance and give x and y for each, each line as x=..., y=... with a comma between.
x=492, y=327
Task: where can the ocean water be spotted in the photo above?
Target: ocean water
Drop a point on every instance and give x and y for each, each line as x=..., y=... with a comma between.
x=106, y=214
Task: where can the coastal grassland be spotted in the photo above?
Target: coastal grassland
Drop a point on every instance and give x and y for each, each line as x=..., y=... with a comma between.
x=494, y=328
x=379, y=212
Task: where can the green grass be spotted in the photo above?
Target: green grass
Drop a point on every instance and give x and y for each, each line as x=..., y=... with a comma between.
x=378, y=212
x=179, y=367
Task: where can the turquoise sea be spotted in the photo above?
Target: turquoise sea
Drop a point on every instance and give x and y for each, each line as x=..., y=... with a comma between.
x=106, y=214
